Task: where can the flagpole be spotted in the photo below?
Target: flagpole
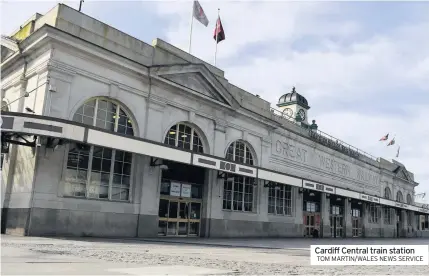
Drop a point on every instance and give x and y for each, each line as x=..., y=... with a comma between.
x=217, y=33
x=192, y=23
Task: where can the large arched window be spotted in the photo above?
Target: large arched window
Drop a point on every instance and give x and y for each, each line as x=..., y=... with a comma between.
x=409, y=199
x=184, y=136
x=399, y=197
x=239, y=152
x=239, y=191
x=387, y=193
x=97, y=172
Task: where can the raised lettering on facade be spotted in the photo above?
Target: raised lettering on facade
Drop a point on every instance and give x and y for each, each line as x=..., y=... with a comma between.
x=332, y=165
x=291, y=151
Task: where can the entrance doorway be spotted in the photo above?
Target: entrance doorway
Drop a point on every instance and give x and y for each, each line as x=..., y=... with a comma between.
x=356, y=219
x=399, y=222
x=311, y=213
x=180, y=203
x=179, y=217
x=336, y=216
x=311, y=224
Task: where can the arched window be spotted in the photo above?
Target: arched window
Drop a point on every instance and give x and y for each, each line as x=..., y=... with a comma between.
x=184, y=136
x=409, y=199
x=239, y=191
x=239, y=152
x=387, y=193
x=97, y=172
x=399, y=197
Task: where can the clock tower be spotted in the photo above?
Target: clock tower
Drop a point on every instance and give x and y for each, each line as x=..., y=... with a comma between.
x=295, y=106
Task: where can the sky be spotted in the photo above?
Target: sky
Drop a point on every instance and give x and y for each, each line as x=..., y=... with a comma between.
x=362, y=66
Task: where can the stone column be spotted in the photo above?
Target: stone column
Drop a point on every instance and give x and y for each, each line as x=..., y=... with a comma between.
x=404, y=226
x=325, y=223
x=149, y=199
x=394, y=220
x=414, y=223
x=212, y=200
x=365, y=224
x=381, y=222
x=297, y=201
x=348, y=218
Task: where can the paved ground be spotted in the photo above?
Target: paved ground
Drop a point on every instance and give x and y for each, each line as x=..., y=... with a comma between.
x=56, y=256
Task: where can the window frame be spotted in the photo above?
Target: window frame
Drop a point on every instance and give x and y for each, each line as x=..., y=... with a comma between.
x=409, y=218
x=89, y=171
x=176, y=138
x=388, y=215
x=374, y=213
x=284, y=199
x=387, y=195
x=399, y=198
x=241, y=180
x=409, y=199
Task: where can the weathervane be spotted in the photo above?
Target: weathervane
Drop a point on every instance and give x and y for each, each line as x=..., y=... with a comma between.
x=293, y=89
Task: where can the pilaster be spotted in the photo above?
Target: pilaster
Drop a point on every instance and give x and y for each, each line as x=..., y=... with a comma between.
x=348, y=218
x=219, y=138
x=381, y=222
x=154, y=120
x=149, y=200
x=403, y=224
x=326, y=225
x=365, y=223
x=22, y=89
x=298, y=204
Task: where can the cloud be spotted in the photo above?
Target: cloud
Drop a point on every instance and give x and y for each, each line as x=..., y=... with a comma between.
x=246, y=23
x=364, y=71
x=360, y=83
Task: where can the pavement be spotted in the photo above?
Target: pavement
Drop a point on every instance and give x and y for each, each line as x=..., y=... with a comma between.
x=177, y=256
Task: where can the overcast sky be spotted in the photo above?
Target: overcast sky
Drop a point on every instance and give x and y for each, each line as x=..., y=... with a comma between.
x=363, y=66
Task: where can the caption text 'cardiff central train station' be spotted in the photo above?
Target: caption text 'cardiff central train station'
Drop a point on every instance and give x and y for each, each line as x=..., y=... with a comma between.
x=105, y=135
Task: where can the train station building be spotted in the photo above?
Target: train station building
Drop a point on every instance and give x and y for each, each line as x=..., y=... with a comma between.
x=105, y=135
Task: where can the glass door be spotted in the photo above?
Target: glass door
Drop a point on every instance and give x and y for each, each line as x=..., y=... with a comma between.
x=309, y=224
x=356, y=223
x=179, y=217
x=336, y=221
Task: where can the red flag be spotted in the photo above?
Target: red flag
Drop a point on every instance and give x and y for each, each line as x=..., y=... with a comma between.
x=392, y=142
x=385, y=137
x=219, y=34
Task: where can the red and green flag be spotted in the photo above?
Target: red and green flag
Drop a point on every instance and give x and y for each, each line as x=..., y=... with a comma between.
x=219, y=33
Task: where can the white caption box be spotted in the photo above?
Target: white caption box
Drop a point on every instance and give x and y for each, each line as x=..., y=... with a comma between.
x=369, y=255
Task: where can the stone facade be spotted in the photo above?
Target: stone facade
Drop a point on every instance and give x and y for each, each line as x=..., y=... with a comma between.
x=159, y=86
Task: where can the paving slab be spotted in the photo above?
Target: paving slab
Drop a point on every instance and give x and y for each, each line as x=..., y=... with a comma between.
x=172, y=270
x=96, y=256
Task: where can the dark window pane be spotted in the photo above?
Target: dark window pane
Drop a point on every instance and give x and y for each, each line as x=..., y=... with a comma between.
x=96, y=164
x=98, y=152
x=118, y=168
x=119, y=155
x=106, y=165
x=128, y=157
x=127, y=169
x=107, y=153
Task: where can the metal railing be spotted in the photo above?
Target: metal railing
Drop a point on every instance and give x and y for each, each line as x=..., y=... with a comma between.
x=322, y=137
